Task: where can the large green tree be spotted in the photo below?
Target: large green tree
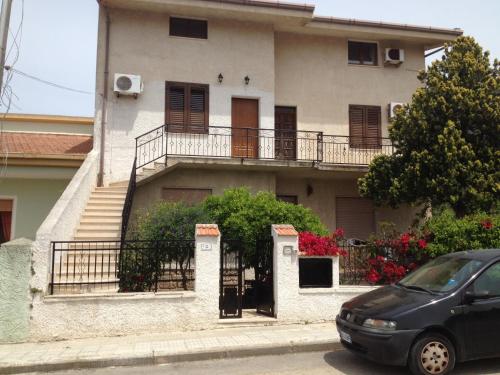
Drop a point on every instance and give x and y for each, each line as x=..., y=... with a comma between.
x=447, y=139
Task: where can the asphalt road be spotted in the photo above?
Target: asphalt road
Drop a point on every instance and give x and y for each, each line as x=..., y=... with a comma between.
x=331, y=363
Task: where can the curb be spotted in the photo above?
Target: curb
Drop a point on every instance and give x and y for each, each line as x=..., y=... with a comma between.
x=158, y=359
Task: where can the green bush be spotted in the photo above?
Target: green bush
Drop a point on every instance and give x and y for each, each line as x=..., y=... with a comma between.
x=248, y=218
x=166, y=231
x=448, y=234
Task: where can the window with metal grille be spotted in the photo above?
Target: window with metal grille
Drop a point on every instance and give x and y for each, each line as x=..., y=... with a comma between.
x=365, y=126
x=362, y=53
x=186, y=107
x=188, y=28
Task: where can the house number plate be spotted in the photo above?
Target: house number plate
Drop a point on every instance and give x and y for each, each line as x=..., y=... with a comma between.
x=206, y=247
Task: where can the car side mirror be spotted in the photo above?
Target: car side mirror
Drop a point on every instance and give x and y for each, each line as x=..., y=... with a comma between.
x=471, y=296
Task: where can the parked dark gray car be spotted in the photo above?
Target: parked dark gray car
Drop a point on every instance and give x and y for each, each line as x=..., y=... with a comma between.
x=445, y=312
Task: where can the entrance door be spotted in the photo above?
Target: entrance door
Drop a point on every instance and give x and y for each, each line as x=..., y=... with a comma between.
x=231, y=279
x=245, y=125
x=285, y=124
x=264, y=290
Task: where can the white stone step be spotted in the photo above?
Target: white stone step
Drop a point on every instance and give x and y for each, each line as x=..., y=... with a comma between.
x=119, y=184
x=107, y=195
x=103, y=208
x=100, y=220
x=97, y=237
x=95, y=201
x=98, y=226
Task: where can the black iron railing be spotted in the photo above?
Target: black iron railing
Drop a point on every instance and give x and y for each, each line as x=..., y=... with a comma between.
x=354, y=264
x=129, y=200
x=263, y=144
x=115, y=266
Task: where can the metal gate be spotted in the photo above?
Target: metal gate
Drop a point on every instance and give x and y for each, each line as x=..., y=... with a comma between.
x=231, y=279
x=264, y=289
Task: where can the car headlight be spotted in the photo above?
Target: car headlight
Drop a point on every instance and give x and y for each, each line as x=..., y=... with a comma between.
x=384, y=325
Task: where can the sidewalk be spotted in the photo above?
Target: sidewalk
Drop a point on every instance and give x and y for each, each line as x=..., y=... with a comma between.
x=167, y=348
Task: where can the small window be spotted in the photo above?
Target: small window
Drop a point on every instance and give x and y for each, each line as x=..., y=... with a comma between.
x=315, y=273
x=361, y=53
x=293, y=199
x=6, y=206
x=188, y=28
x=365, y=126
x=186, y=107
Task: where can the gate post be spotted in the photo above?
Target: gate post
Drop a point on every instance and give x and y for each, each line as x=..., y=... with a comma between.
x=207, y=263
x=286, y=275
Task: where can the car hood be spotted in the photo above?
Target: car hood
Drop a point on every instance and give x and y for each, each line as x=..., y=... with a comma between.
x=388, y=302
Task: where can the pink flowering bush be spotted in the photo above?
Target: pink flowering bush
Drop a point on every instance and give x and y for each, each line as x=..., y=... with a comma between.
x=311, y=244
x=393, y=255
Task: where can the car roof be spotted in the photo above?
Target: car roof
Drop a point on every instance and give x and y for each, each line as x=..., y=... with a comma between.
x=484, y=255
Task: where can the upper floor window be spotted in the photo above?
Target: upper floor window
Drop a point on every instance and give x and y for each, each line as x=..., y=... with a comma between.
x=188, y=28
x=186, y=107
x=362, y=53
x=6, y=206
x=365, y=127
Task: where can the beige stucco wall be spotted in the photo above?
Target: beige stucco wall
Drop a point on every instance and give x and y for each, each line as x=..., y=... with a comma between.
x=312, y=73
x=140, y=44
x=321, y=201
x=33, y=200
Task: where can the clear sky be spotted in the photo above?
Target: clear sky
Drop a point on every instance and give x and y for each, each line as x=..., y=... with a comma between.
x=59, y=41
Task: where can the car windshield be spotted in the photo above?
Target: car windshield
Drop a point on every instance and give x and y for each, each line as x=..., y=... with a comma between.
x=442, y=274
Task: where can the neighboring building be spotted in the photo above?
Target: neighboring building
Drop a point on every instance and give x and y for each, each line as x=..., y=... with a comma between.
x=255, y=94
x=39, y=156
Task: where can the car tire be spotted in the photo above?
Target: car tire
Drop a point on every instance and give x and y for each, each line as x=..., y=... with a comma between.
x=432, y=354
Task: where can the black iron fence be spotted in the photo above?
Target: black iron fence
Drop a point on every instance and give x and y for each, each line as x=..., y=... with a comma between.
x=263, y=144
x=354, y=264
x=116, y=266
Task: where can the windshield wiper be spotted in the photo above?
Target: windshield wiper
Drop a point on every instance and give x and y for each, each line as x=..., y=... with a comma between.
x=416, y=287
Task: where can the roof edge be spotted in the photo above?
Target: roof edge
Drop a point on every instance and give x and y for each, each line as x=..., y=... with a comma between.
x=54, y=119
x=386, y=25
x=269, y=4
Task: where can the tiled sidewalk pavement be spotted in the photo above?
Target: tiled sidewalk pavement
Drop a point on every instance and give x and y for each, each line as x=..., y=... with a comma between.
x=168, y=347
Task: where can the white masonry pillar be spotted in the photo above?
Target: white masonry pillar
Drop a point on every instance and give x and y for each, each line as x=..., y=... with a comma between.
x=207, y=263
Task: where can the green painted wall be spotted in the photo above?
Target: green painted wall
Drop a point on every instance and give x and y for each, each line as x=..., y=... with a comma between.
x=34, y=200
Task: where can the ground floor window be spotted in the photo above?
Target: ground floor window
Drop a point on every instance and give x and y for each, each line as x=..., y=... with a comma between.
x=293, y=199
x=187, y=195
x=356, y=216
x=6, y=206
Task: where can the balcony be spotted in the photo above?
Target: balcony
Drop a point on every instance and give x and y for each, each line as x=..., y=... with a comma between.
x=260, y=144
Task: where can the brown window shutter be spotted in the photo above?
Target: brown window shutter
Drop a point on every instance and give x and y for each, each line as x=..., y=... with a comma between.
x=356, y=125
x=373, y=127
x=198, y=109
x=176, y=108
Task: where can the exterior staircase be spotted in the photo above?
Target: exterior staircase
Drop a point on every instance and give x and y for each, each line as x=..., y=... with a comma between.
x=102, y=218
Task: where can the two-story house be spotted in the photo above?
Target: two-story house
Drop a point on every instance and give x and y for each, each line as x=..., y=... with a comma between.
x=252, y=93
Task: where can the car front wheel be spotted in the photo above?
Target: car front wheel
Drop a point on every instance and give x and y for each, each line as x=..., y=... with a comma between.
x=432, y=354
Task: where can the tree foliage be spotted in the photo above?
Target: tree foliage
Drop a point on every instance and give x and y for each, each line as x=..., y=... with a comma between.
x=447, y=138
x=248, y=218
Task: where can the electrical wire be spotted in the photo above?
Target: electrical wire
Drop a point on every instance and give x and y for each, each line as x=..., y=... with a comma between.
x=56, y=85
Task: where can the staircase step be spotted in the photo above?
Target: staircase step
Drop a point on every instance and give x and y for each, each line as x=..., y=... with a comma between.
x=98, y=233
x=86, y=227
x=97, y=237
x=98, y=220
x=108, y=195
x=104, y=208
x=105, y=201
x=119, y=184
x=112, y=190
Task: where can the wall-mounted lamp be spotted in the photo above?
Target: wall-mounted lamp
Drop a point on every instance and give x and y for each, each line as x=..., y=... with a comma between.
x=220, y=78
x=309, y=190
x=247, y=80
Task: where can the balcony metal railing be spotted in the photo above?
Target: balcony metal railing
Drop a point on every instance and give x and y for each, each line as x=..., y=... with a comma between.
x=259, y=144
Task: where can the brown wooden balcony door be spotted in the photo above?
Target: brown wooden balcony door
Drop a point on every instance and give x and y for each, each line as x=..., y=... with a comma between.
x=245, y=128
x=285, y=123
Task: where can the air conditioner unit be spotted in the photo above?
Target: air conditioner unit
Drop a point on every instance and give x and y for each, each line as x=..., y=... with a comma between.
x=394, y=56
x=393, y=106
x=128, y=84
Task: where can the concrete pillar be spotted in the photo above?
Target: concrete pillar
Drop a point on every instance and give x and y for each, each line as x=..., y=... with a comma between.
x=286, y=269
x=207, y=260
x=15, y=273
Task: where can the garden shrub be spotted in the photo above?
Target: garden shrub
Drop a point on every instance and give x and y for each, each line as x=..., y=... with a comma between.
x=311, y=244
x=248, y=218
x=166, y=231
x=448, y=234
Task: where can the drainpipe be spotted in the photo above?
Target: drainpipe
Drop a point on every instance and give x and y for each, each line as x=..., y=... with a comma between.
x=100, y=177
